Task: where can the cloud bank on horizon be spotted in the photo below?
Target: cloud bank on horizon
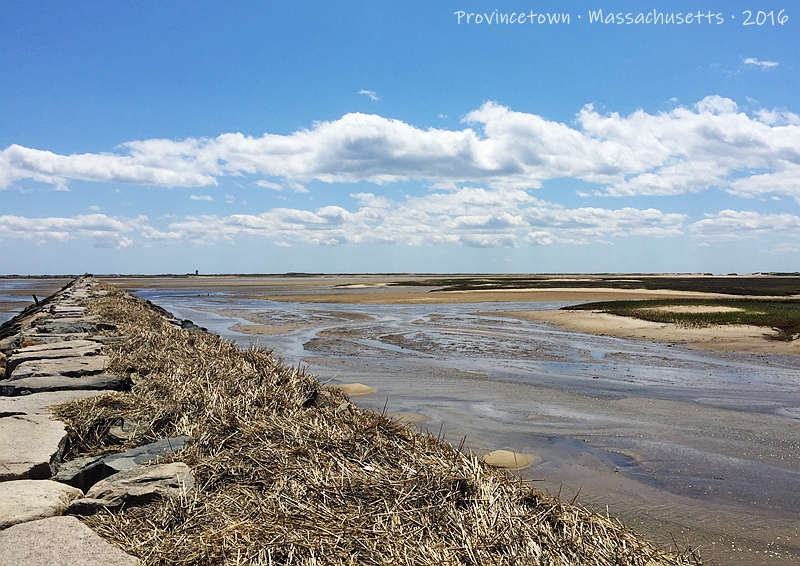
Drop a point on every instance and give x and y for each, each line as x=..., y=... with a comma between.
x=712, y=145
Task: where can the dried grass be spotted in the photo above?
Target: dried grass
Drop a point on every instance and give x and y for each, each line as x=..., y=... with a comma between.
x=288, y=473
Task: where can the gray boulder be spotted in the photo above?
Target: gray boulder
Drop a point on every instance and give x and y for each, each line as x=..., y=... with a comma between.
x=83, y=473
x=145, y=454
x=134, y=487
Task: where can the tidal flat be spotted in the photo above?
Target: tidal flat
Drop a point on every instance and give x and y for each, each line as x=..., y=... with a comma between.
x=688, y=447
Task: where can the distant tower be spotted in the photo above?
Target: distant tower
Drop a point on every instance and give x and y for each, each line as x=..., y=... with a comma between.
x=197, y=272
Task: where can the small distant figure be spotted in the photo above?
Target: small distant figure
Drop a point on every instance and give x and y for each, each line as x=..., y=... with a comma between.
x=197, y=272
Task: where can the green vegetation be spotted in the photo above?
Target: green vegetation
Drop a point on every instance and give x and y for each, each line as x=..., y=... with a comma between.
x=782, y=315
x=760, y=285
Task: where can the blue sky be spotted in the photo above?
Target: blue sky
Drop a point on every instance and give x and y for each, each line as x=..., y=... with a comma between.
x=150, y=137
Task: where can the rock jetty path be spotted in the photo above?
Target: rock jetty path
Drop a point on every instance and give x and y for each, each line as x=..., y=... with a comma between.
x=51, y=353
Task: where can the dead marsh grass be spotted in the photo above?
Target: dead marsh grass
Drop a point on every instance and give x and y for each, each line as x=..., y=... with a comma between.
x=289, y=473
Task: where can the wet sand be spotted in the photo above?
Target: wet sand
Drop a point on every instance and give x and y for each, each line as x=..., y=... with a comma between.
x=697, y=445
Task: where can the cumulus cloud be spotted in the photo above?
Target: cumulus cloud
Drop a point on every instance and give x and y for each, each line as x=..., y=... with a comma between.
x=763, y=64
x=684, y=150
x=202, y=197
x=472, y=217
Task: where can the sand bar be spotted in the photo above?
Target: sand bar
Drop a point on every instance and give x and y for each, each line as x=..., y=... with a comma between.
x=732, y=338
x=266, y=330
x=412, y=295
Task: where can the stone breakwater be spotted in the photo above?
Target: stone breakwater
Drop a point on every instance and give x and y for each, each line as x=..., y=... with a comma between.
x=51, y=353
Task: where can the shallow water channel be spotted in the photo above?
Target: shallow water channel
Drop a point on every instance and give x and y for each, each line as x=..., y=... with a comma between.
x=685, y=446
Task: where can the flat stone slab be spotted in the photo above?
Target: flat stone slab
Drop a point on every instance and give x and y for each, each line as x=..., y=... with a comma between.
x=30, y=446
x=68, y=367
x=58, y=541
x=84, y=473
x=67, y=327
x=63, y=345
x=55, y=350
x=135, y=487
x=28, y=500
x=28, y=385
x=44, y=338
x=67, y=311
x=38, y=403
x=145, y=454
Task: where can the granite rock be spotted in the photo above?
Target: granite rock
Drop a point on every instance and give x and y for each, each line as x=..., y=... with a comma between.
x=68, y=367
x=58, y=541
x=103, y=381
x=52, y=351
x=145, y=454
x=27, y=500
x=30, y=446
x=134, y=487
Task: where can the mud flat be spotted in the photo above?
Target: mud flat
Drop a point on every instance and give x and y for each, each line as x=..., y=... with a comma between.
x=680, y=442
x=200, y=452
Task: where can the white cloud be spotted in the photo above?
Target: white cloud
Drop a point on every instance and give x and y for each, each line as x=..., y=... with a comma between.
x=371, y=93
x=763, y=64
x=269, y=185
x=94, y=208
x=684, y=150
x=298, y=187
x=733, y=225
x=468, y=216
x=475, y=217
x=106, y=231
x=778, y=118
x=202, y=197
x=17, y=162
